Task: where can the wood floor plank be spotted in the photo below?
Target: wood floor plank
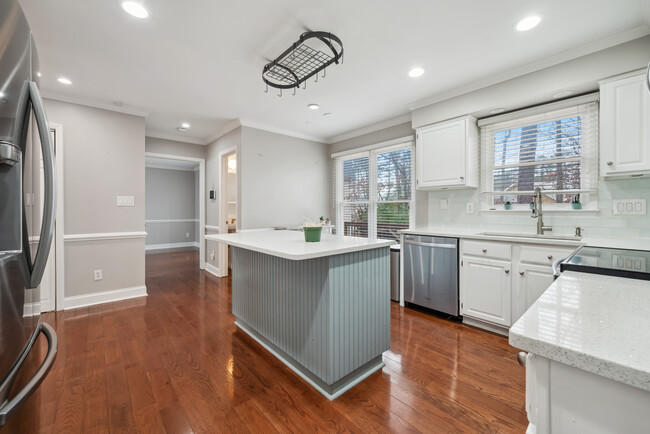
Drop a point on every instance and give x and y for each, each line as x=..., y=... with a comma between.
x=174, y=362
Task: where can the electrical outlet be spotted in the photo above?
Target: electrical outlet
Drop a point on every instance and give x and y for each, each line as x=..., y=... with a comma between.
x=97, y=274
x=125, y=201
x=212, y=255
x=187, y=234
x=444, y=204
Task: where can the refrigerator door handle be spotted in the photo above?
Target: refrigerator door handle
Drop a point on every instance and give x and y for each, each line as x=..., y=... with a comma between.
x=49, y=199
x=52, y=346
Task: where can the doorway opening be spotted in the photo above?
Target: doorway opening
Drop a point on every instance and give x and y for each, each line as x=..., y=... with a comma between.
x=228, y=215
x=174, y=203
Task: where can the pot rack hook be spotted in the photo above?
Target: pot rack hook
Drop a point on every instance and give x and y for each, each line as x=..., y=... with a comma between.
x=294, y=91
x=304, y=85
x=280, y=94
x=267, y=88
x=316, y=80
x=324, y=72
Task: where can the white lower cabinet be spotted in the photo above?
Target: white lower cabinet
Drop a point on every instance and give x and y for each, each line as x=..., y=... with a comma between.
x=532, y=281
x=486, y=294
x=500, y=281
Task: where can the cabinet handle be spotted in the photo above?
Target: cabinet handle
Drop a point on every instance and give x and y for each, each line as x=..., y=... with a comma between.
x=462, y=177
x=610, y=163
x=484, y=250
x=550, y=256
x=507, y=271
x=521, y=273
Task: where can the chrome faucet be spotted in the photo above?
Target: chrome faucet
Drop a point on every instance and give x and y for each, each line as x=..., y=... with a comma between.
x=537, y=212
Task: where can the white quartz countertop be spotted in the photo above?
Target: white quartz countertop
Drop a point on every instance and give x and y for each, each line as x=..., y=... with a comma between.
x=292, y=245
x=514, y=237
x=597, y=323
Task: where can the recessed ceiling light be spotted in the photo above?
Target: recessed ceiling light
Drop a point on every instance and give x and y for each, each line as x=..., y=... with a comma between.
x=416, y=72
x=185, y=125
x=182, y=130
x=528, y=23
x=64, y=80
x=497, y=110
x=313, y=106
x=328, y=114
x=135, y=9
x=562, y=94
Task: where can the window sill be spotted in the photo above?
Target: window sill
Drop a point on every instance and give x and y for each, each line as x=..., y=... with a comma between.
x=545, y=211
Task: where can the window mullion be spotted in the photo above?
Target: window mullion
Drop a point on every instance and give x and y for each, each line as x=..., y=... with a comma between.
x=372, y=199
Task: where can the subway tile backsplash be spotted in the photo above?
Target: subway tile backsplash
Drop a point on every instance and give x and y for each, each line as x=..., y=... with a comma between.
x=595, y=224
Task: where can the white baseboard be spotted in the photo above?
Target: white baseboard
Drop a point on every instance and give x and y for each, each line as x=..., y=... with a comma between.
x=104, y=297
x=31, y=309
x=212, y=270
x=172, y=245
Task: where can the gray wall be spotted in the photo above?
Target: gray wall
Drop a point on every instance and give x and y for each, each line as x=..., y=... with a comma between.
x=395, y=132
x=171, y=195
x=103, y=158
x=171, y=147
x=283, y=179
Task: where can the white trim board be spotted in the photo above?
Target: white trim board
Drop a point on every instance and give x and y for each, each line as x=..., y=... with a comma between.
x=212, y=270
x=212, y=228
x=104, y=297
x=173, y=221
x=172, y=245
x=73, y=238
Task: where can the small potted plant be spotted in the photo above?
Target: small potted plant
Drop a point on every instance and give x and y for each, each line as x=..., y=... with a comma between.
x=507, y=205
x=532, y=205
x=575, y=202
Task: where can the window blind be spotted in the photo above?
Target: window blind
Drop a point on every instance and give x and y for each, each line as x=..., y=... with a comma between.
x=394, y=192
x=556, y=151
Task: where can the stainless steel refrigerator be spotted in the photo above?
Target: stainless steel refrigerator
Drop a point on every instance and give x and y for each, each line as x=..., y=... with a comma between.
x=27, y=209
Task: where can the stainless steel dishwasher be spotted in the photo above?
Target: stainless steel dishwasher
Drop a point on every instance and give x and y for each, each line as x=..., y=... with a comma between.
x=431, y=272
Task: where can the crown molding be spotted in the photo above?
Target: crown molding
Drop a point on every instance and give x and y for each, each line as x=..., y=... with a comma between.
x=270, y=129
x=134, y=111
x=173, y=137
x=565, y=56
x=370, y=129
x=230, y=126
x=162, y=166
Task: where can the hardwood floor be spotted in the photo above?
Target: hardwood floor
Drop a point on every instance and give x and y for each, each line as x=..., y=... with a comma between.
x=174, y=362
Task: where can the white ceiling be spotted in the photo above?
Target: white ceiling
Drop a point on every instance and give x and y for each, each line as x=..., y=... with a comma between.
x=201, y=61
x=166, y=163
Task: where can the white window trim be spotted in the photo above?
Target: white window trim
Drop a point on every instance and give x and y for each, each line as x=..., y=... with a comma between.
x=371, y=152
x=588, y=206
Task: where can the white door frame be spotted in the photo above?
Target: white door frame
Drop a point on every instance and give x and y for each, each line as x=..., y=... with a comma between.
x=223, y=226
x=201, y=162
x=57, y=253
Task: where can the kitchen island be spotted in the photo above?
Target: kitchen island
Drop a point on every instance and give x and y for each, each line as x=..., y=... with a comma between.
x=322, y=308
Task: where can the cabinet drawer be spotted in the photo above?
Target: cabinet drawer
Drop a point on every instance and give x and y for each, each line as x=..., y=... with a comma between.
x=487, y=249
x=543, y=255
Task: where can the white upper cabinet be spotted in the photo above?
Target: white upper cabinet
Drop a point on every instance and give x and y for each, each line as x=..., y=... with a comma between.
x=446, y=155
x=624, y=126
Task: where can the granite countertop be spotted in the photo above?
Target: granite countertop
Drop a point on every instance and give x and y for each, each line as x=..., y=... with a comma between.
x=514, y=237
x=292, y=245
x=597, y=323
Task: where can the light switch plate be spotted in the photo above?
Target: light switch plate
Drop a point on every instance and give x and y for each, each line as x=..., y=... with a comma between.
x=629, y=207
x=125, y=201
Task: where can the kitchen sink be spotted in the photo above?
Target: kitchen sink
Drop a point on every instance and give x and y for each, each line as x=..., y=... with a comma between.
x=526, y=235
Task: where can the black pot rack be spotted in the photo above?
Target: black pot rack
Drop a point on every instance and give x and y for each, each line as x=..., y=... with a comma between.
x=302, y=61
